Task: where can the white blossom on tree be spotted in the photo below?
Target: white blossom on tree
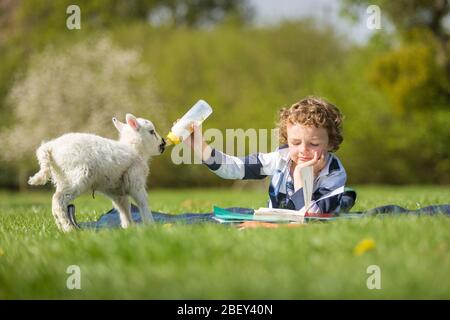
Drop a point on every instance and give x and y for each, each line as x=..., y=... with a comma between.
x=77, y=89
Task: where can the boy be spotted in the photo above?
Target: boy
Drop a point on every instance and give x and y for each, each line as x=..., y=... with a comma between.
x=310, y=131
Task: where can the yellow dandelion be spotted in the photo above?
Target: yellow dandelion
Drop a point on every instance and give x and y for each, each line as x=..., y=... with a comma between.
x=167, y=225
x=363, y=246
x=2, y=252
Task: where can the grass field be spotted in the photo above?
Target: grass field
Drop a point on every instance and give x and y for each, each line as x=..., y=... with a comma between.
x=220, y=262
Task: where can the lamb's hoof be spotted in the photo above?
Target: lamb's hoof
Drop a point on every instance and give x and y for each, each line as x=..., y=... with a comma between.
x=147, y=218
x=73, y=221
x=125, y=225
x=67, y=228
x=148, y=221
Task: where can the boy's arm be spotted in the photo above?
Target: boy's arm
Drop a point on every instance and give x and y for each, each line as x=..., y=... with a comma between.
x=318, y=163
x=333, y=204
x=253, y=166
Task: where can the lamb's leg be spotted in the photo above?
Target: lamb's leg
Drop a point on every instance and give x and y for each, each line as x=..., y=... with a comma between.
x=122, y=204
x=140, y=196
x=43, y=154
x=60, y=211
x=56, y=217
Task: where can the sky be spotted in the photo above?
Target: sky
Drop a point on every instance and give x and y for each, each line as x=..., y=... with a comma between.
x=274, y=11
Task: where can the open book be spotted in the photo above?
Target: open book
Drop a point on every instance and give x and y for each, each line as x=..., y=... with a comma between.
x=299, y=215
x=225, y=216
x=295, y=214
x=307, y=175
x=281, y=215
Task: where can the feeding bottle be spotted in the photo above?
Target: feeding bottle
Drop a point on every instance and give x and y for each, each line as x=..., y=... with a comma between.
x=183, y=128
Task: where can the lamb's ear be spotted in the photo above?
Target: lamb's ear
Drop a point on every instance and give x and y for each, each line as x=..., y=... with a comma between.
x=132, y=121
x=119, y=125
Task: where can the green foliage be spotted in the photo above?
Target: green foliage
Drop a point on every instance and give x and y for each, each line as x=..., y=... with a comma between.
x=246, y=75
x=394, y=91
x=405, y=14
x=45, y=19
x=379, y=145
x=79, y=88
x=415, y=72
x=411, y=67
x=411, y=77
x=27, y=27
x=402, y=73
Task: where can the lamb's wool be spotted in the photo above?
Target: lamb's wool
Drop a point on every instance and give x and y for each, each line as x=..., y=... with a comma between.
x=79, y=162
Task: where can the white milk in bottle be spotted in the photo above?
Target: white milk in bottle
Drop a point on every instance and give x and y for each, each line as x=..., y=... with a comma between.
x=182, y=129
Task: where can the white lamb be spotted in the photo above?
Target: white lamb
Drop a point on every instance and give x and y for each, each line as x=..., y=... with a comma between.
x=78, y=162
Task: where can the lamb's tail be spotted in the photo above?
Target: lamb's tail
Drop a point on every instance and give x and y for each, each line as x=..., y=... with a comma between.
x=44, y=157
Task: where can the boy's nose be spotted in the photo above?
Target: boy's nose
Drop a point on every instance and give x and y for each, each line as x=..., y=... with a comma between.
x=303, y=149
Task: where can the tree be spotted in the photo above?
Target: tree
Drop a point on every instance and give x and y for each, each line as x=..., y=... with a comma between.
x=26, y=27
x=415, y=73
x=77, y=89
x=16, y=18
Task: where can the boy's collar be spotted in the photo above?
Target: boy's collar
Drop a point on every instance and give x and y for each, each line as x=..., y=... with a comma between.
x=284, y=152
x=326, y=170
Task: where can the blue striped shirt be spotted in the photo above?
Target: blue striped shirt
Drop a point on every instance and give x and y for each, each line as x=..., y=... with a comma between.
x=276, y=164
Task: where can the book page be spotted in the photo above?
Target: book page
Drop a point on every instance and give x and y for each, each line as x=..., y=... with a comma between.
x=307, y=175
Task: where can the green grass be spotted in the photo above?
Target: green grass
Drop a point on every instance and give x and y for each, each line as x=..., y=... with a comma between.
x=220, y=262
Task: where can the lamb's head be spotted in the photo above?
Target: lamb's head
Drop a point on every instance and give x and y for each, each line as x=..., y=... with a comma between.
x=141, y=134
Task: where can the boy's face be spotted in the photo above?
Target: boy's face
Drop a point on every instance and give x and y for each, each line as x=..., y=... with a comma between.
x=303, y=141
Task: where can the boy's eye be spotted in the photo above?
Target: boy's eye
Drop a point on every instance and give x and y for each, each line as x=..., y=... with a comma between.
x=152, y=131
x=314, y=145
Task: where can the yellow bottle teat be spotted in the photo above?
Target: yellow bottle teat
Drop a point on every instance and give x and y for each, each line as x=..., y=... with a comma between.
x=172, y=138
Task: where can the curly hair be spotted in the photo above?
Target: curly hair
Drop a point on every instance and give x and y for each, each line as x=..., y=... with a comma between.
x=317, y=112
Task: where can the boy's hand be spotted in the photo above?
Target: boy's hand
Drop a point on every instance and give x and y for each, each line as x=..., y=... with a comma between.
x=196, y=143
x=318, y=163
x=196, y=134
x=196, y=137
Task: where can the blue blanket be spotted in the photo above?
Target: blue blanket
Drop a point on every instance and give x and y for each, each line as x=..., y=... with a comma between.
x=111, y=219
